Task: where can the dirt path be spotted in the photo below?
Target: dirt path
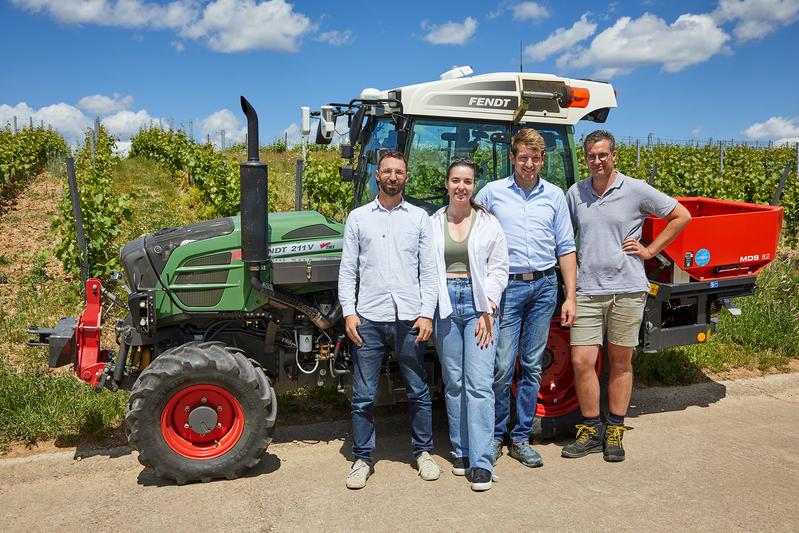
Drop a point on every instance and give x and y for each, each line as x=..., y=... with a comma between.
x=25, y=230
x=714, y=456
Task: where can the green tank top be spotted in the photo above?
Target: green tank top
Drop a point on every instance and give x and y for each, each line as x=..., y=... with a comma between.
x=456, y=254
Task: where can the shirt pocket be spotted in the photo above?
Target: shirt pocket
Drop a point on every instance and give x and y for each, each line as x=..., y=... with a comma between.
x=407, y=241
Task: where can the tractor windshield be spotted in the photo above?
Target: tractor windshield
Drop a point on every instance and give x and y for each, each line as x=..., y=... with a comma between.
x=432, y=144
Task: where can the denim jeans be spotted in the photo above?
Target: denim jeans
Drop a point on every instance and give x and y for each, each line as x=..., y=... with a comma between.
x=378, y=337
x=467, y=370
x=526, y=312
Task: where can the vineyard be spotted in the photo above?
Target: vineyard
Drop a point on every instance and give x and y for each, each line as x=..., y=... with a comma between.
x=25, y=153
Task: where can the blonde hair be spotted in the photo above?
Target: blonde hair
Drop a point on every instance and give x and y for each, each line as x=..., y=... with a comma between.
x=528, y=137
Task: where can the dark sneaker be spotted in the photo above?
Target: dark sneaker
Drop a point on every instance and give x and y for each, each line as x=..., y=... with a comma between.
x=613, y=450
x=460, y=465
x=589, y=440
x=480, y=478
x=496, y=450
x=525, y=454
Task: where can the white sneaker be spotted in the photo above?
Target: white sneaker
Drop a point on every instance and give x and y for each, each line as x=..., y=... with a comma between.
x=428, y=468
x=358, y=475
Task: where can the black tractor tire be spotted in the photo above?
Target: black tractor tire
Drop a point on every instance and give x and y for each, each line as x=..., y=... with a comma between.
x=556, y=427
x=197, y=366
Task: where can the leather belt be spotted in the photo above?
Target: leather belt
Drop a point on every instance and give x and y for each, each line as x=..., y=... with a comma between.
x=531, y=276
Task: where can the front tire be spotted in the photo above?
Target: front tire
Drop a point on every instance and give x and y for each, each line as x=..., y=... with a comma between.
x=200, y=411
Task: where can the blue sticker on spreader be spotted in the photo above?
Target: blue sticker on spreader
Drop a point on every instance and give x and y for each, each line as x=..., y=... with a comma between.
x=702, y=257
x=714, y=284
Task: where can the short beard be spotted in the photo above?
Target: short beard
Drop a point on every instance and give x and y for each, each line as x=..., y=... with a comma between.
x=385, y=189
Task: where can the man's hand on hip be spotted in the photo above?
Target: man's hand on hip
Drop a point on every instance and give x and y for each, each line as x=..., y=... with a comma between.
x=425, y=327
x=351, y=325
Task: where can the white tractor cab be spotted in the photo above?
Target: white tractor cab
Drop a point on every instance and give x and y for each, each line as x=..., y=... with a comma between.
x=461, y=115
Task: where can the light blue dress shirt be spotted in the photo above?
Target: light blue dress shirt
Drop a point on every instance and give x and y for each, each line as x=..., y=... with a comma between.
x=392, y=252
x=538, y=226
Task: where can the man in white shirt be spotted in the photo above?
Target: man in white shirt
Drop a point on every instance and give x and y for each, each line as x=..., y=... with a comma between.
x=388, y=291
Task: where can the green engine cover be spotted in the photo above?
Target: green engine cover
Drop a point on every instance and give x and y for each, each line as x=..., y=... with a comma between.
x=208, y=275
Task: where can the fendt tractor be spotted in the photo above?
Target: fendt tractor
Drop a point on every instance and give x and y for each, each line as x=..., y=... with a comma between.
x=224, y=313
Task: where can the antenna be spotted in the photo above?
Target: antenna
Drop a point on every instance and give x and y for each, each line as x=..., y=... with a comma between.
x=521, y=65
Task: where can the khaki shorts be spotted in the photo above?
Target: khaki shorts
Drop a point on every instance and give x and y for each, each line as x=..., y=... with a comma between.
x=618, y=314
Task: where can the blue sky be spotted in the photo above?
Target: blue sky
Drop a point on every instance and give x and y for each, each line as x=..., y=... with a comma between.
x=682, y=70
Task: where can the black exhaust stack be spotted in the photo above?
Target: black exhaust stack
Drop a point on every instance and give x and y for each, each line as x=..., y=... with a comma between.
x=254, y=194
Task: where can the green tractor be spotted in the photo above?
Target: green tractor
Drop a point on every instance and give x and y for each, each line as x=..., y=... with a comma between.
x=224, y=313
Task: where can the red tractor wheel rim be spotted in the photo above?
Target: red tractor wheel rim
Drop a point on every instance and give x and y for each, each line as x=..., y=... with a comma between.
x=557, y=396
x=220, y=414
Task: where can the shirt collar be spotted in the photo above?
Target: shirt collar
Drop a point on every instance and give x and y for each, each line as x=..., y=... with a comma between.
x=377, y=206
x=513, y=185
x=617, y=183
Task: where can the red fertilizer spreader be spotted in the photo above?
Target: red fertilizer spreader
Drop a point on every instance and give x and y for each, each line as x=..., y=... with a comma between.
x=725, y=239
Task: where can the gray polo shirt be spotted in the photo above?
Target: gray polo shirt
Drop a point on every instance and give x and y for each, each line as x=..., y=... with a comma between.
x=604, y=222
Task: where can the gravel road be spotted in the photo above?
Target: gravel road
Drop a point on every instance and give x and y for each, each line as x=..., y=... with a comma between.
x=714, y=456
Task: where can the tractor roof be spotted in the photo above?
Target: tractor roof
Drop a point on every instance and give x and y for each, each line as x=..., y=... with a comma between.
x=498, y=96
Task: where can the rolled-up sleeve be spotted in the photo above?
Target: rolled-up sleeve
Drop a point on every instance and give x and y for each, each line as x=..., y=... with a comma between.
x=428, y=279
x=564, y=232
x=349, y=264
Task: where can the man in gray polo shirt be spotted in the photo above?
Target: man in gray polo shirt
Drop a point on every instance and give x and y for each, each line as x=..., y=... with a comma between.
x=608, y=209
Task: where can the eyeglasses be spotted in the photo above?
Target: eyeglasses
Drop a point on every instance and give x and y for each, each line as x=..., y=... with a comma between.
x=387, y=172
x=599, y=157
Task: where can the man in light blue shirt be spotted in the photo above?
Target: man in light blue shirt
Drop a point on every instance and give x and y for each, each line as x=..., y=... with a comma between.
x=534, y=215
x=389, y=306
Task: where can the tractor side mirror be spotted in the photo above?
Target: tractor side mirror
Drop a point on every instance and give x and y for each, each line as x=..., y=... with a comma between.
x=327, y=125
x=355, y=126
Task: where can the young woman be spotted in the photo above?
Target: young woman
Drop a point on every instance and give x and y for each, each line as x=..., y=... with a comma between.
x=472, y=272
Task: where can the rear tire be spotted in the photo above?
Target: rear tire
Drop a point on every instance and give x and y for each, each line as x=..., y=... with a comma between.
x=200, y=411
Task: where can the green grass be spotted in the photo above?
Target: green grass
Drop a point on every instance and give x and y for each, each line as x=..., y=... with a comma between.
x=158, y=200
x=36, y=404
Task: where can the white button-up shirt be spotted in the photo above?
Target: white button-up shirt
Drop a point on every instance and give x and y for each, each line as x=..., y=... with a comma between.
x=392, y=253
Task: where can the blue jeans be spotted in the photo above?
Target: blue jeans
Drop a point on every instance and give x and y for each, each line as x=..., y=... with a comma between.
x=526, y=312
x=378, y=337
x=467, y=372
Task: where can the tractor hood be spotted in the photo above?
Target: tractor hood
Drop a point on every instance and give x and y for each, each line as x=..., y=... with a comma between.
x=150, y=261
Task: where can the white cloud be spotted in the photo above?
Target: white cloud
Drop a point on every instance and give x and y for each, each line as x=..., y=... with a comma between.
x=99, y=104
x=240, y=25
x=222, y=25
x=755, y=19
x=126, y=124
x=779, y=129
x=561, y=40
x=649, y=40
x=529, y=11
x=336, y=37
x=292, y=135
x=696, y=132
x=68, y=120
x=122, y=13
x=224, y=119
x=451, y=32
x=178, y=46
